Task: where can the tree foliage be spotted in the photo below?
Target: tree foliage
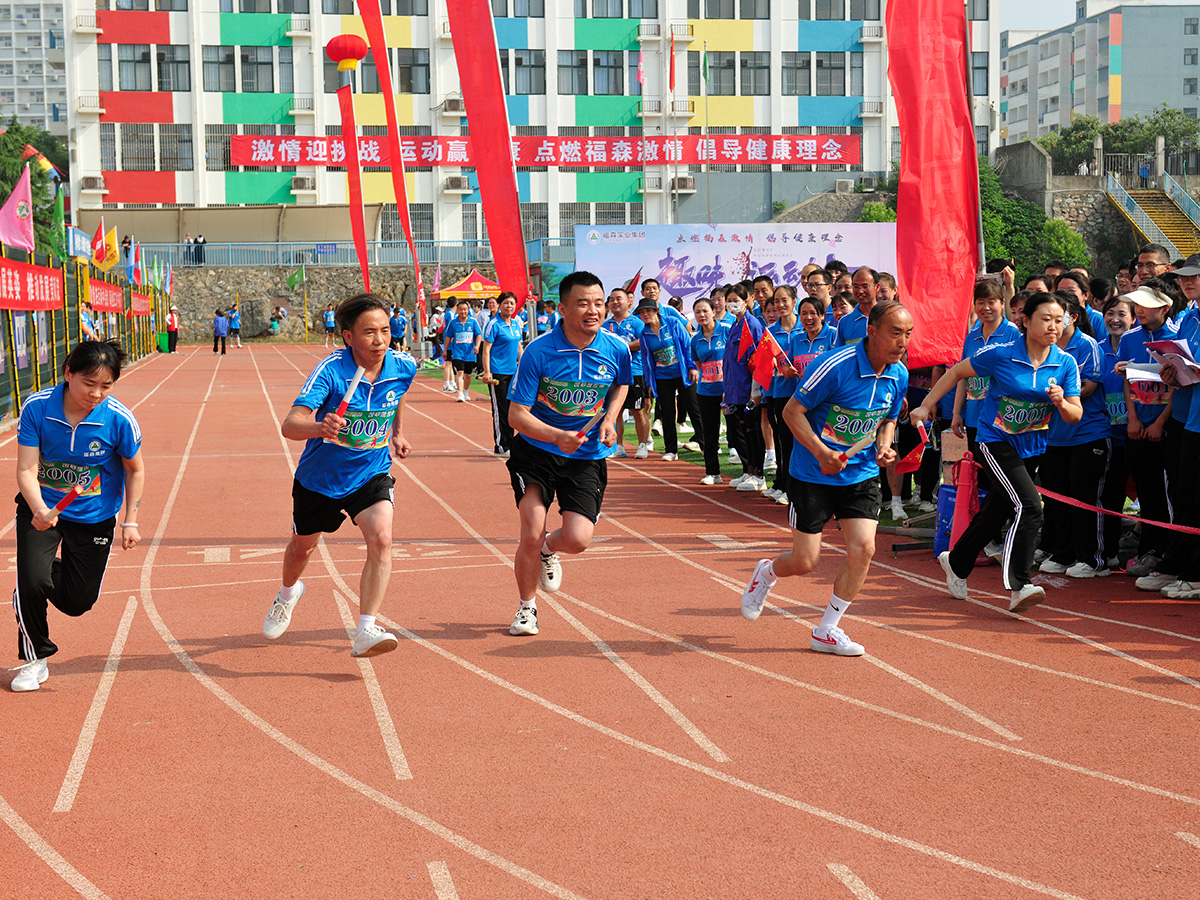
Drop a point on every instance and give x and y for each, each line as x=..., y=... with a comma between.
x=1130, y=134
x=875, y=211
x=12, y=148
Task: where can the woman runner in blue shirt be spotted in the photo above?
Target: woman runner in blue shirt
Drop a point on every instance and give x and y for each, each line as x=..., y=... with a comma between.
x=501, y=353
x=669, y=372
x=1030, y=379
x=708, y=353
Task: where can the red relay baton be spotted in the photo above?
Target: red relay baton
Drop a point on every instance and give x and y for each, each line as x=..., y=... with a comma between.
x=860, y=444
x=591, y=423
x=71, y=496
x=346, y=398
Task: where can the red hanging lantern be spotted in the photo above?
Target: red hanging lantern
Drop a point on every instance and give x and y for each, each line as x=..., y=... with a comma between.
x=346, y=50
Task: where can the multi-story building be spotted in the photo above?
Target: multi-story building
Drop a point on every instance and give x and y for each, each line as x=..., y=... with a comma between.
x=33, y=80
x=160, y=93
x=1116, y=58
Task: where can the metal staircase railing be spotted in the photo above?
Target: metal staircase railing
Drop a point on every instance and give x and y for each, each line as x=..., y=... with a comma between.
x=1137, y=215
x=1183, y=200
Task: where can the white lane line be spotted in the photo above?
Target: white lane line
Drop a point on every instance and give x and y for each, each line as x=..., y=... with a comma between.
x=670, y=709
x=938, y=585
x=1189, y=837
x=443, y=884
x=411, y=815
x=48, y=854
x=83, y=747
x=852, y=881
x=387, y=728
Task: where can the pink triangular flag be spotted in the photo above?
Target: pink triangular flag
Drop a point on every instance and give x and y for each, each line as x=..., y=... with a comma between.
x=16, y=216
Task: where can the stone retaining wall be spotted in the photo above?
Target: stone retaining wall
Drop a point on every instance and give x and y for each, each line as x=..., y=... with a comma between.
x=1107, y=233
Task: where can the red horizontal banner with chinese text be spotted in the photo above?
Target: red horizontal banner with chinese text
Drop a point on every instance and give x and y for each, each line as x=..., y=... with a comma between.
x=106, y=297
x=23, y=286
x=139, y=304
x=743, y=149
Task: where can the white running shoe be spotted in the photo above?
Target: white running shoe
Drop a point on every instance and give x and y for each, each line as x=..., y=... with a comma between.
x=1155, y=581
x=31, y=676
x=771, y=493
x=734, y=459
x=739, y=479
x=685, y=428
x=833, y=640
x=1030, y=595
x=669, y=457
x=1050, y=567
x=755, y=593
x=643, y=451
x=994, y=550
x=783, y=499
x=657, y=427
x=371, y=640
x=1182, y=590
x=711, y=479
x=551, y=578
x=461, y=397
x=525, y=622
x=1083, y=570
x=926, y=506
x=449, y=388
x=691, y=445
x=279, y=616
x=955, y=585
x=897, y=510
x=753, y=483
x=769, y=463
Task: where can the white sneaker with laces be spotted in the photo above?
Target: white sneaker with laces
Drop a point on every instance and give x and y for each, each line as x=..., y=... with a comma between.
x=31, y=676
x=834, y=640
x=755, y=593
x=753, y=483
x=769, y=463
x=897, y=510
x=1083, y=570
x=461, y=397
x=955, y=585
x=771, y=494
x=1155, y=581
x=782, y=499
x=685, y=428
x=734, y=459
x=551, y=578
x=1182, y=590
x=643, y=451
x=371, y=640
x=525, y=622
x=711, y=479
x=657, y=427
x=669, y=457
x=737, y=480
x=1050, y=567
x=926, y=506
x=1030, y=595
x=691, y=445
x=279, y=616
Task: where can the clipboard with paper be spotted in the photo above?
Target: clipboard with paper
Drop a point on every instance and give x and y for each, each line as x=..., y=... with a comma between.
x=1178, y=355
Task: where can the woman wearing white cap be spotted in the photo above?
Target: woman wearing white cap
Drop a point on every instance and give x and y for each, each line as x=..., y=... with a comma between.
x=172, y=329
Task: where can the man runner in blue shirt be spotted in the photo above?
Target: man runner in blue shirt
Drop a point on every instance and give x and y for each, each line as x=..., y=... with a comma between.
x=846, y=395
x=566, y=377
x=344, y=469
x=330, y=320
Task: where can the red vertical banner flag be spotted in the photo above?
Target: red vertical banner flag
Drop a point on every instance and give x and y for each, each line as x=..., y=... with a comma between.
x=478, y=57
x=937, y=243
x=672, y=60
x=373, y=24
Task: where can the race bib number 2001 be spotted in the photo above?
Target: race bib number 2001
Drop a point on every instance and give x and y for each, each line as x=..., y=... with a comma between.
x=1019, y=416
x=844, y=427
x=571, y=398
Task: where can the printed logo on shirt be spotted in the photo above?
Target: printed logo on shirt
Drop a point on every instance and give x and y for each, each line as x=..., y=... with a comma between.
x=844, y=427
x=712, y=372
x=94, y=446
x=977, y=386
x=366, y=429
x=1022, y=416
x=571, y=398
x=391, y=396
x=602, y=370
x=62, y=477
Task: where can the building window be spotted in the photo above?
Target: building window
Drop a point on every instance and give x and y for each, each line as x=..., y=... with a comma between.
x=171, y=6
x=756, y=9
x=369, y=77
x=108, y=147
x=756, y=73
x=981, y=140
x=866, y=9
x=718, y=9
x=607, y=9
x=499, y=9
x=286, y=76
x=338, y=7
x=133, y=67
x=721, y=73
x=1191, y=26
x=333, y=78
x=504, y=71
x=977, y=10
x=581, y=9
x=521, y=131
x=174, y=67
x=104, y=52
x=1190, y=112
x=643, y=9
x=1189, y=56
x=831, y=9
x=529, y=67
x=831, y=75
x=529, y=9
x=258, y=75
x=137, y=148
x=856, y=74
x=572, y=214
x=572, y=72
x=411, y=8
x=216, y=147
x=608, y=73
x=219, y=70
x=804, y=12
x=175, y=148
x=254, y=6
x=979, y=74
x=1189, y=85
x=894, y=156
x=412, y=71
x=635, y=86
x=797, y=74
x=535, y=221
x=610, y=213
x=292, y=6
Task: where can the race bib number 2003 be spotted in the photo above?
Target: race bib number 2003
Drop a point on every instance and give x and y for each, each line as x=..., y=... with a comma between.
x=844, y=427
x=571, y=398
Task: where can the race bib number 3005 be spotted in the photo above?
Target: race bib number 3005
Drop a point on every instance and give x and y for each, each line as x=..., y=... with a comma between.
x=844, y=427
x=1020, y=416
x=571, y=398
x=366, y=430
x=62, y=477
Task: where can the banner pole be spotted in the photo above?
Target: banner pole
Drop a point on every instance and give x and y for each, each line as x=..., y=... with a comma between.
x=707, y=162
x=974, y=156
x=306, y=313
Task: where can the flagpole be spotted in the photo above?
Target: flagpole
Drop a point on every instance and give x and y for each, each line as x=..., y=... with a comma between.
x=306, y=312
x=707, y=162
x=975, y=153
x=674, y=131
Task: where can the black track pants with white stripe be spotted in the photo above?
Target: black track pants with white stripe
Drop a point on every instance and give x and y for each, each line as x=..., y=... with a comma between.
x=72, y=583
x=1013, y=494
x=502, y=433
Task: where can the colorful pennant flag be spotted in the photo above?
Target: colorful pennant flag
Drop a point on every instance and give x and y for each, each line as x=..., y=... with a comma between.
x=98, y=243
x=296, y=278
x=16, y=216
x=58, y=224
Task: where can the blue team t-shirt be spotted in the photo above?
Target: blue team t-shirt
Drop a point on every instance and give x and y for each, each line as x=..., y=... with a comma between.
x=90, y=454
x=235, y=320
x=330, y=318
x=1114, y=394
x=339, y=468
x=564, y=386
x=460, y=337
x=663, y=350
x=802, y=349
x=977, y=385
x=708, y=355
x=505, y=338
x=1149, y=397
x=1016, y=410
x=629, y=329
x=852, y=327
x=782, y=386
x=1187, y=328
x=1094, y=425
x=844, y=401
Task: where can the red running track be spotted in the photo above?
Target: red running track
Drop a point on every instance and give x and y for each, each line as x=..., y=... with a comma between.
x=648, y=743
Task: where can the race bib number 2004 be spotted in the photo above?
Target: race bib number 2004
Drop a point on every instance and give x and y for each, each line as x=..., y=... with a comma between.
x=572, y=398
x=367, y=430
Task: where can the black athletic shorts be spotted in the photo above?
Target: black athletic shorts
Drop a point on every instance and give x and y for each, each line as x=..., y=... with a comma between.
x=313, y=512
x=635, y=397
x=466, y=366
x=328, y=330
x=235, y=332
x=579, y=483
x=812, y=505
